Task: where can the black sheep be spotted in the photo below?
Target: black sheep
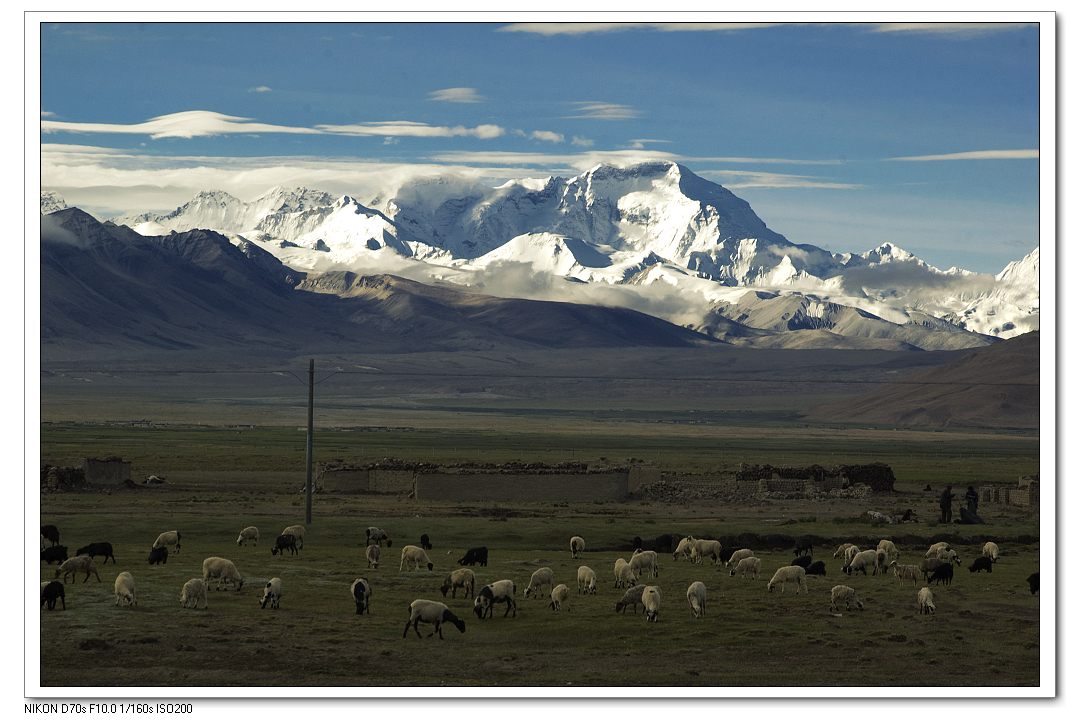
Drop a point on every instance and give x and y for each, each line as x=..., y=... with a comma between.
x=943, y=575
x=56, y=553
x=475, y=556
x=52, y=592
x=816, y=568
x=425, y=542
x=283, y=543
x=103, y=549
x=159, y=555
x=802, y=545
x=50, y=533
x=1033, y=582
x=637, y=543
x=982, y=563
x=803, y=561
x=665, y=543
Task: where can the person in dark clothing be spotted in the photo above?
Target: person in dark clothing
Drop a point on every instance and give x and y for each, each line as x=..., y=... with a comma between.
x=946, y=504
x=972, y=499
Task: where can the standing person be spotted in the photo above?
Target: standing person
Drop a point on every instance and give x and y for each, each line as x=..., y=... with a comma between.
x=972, y=499
x=946, y=504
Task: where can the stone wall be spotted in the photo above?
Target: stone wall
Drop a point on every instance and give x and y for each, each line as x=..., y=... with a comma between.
x=108, y=471
x=500, y=487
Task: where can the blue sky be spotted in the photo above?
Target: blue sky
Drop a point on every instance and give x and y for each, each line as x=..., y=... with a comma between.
x=844, y=135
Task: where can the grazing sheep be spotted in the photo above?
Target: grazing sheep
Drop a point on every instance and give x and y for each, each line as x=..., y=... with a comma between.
x=429, y=611
x=101, y=548
x=271, y=594
x=194, y=590
x=298, y=532
x=78, y=564
x=926, y=600
x=750, y=565
x=377, y=535
x=475, y=556
x=644, y=560
x=841, y=551
x=50, y=533
x=803, y=547
x=881, y=562
x=416, y=556
x=167, y=539
x=792, y=574
x=695, y=595
x=850, y=553
x=982, y=563
x=803, y=561
x=726, y=553
x=425, y=542
x=55, y=553
x=283, y=543
x=222, y=569
x=577, y=546
x=846, y=595
x=361, y=595
x=559, y=595
x=631, y=598
x=928, y=566
x=935, y=548
x=650, y=598
x=500, y=591
x=701, y=549
x=372, y=554
x=861, y=561
x=124, y=587
x=991, y=551
x=586, y=580
x=249, y=533
x=543, y=576
x=683, y=548
x=51, y=591
x=949, y=556
x=905, y=572
x=159, y=556
x=889, y=548
x=738, y=556
x=1032, y=581
x=624, y=576
x=816, y=568
x=461, y=578
x=942, y=575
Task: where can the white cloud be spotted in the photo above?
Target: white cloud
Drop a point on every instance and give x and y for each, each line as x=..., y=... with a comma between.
x=959, y=31
x=749, y=178
x=404, y=128
x=547, y=136
x=583, y=28
x=457, y=95
x=583, y=142
x=977, y=155
x=260, y=89
x=604, y=111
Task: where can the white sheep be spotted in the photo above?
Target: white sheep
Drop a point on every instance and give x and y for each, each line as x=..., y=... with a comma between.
x=650, y=598
x=559, y=595
x=695, y=595
x=577, y=546
x=429, y=611
x=249, y=533
x=926, y=602
x=948, y=555
x=644, y=561
x=360, y=591
x=222, y=569
x=905, y=572
x=496, y=592
x=750, y=565
x=701, y=549
x=372, y=554
x=298, y=532
x=841, y=551
x=861, y=561
x=624, y=576
x=889, y=548
x=271, y=594
x=543, y=576
x=928, y=566
x=991, y=551
x=461, y=578
x=415, y=555
x=125, y=589
x=78, y=564
x=738, y=556
x=378, y=535
x=851, y=552
x=167, y=539
x=194, y=590
x=630, y=598
x=846, y=595
x=933, y=551
x=586, y=580
x=789, y=573
x=683, y=549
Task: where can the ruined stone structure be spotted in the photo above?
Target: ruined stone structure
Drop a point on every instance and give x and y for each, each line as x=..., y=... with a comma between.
x=106, y=471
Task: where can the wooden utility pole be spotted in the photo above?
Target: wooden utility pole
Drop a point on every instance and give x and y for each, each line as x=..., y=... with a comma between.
x=310, y=432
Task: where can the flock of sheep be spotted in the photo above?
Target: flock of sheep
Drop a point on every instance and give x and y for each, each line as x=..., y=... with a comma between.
x=637, y=577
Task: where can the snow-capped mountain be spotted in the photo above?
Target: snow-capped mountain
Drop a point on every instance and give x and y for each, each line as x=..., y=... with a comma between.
x=653, y=236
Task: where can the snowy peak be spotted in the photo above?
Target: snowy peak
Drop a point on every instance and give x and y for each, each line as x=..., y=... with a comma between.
x=51, y=202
